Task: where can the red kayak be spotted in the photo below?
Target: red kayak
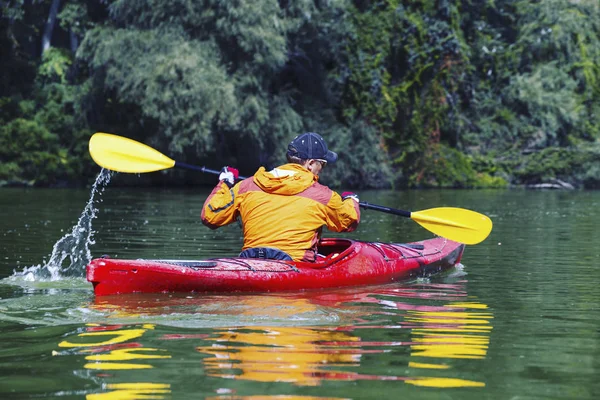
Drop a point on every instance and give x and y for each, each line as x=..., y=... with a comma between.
x=345, y=262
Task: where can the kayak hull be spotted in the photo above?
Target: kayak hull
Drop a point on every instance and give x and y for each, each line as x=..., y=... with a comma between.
x=345, y=263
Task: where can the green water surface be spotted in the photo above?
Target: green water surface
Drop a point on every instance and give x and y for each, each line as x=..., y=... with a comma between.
x=518, y=320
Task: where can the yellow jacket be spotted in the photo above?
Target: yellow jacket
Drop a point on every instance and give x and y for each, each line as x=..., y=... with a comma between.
x=284, y=208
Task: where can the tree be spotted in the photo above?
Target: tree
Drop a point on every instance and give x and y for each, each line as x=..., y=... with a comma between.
x=49, y=26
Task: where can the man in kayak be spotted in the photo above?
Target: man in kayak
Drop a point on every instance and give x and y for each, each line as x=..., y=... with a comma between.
x=283, y=210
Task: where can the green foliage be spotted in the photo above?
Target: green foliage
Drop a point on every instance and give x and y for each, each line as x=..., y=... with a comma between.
x=547, y=97
x=55, y=65
x=44, y=145
x=202, y=70
x=560, y=38
x=75, y=16
x=177, y=82
x=29, y=150
x=546, y=164
x=44, y=137
x=445, y=167
x=406, y=64
x=588, y=172
x=410, y=93
x=577, y=165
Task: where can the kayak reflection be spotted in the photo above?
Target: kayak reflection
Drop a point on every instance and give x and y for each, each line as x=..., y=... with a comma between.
x=423, y=334
x=205, y=311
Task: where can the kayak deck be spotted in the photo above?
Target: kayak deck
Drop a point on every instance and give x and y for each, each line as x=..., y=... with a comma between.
x=342, y=262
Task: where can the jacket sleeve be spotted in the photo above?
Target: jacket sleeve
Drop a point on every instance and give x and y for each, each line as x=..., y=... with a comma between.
x=342, y=215
x=220, y=207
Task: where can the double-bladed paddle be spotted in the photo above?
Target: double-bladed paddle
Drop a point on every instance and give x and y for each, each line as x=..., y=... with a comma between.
x=121, y=154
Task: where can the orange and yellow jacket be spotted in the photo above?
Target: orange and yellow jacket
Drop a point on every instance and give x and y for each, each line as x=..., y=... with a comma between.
x=284, y=208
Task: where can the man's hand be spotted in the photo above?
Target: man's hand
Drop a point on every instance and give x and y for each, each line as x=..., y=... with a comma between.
x=229, y=175
x=350, y=195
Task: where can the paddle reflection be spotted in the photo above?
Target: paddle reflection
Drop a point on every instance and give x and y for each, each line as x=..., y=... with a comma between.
x=450, y=326
x=115, y=347
x=455, y=331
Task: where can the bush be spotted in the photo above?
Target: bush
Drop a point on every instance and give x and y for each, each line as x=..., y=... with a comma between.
x=30, y=152
x=445, y=167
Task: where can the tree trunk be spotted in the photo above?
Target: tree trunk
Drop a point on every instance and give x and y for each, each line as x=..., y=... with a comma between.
x=74, y=42
x=49, y=28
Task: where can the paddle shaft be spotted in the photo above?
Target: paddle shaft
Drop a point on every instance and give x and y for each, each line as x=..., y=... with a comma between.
x=201, y=169
x=388, y=210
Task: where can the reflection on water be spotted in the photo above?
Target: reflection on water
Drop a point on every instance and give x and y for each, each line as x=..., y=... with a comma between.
x=421, y=334
x=284, y=354
x=208, y=311
x=276, y=397
x=114, y=348
x=453, y=331
x=132, y=391
x=307, y=356
x=456, y=329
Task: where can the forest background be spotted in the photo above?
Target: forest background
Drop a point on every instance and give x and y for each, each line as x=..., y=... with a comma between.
x=461, y=94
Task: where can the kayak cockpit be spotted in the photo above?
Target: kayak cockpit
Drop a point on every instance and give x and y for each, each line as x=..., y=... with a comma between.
x=330, y=246
x=330, y=250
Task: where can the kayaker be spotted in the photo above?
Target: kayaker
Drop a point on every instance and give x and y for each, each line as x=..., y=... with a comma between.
x=284, y=210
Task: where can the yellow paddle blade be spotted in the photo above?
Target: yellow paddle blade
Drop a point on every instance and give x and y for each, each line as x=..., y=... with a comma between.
x=458, y=224
x=121, y=154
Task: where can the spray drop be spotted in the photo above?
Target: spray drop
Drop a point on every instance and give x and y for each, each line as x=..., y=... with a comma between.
x=72, y=253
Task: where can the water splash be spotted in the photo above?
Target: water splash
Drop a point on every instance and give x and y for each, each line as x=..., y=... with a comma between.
x=71, y=253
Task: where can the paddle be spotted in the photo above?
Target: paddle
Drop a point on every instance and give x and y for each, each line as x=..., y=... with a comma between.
x=458, y=224
x=121, y=154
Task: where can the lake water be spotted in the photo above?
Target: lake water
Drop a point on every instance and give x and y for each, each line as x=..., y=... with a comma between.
x=519, y=319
